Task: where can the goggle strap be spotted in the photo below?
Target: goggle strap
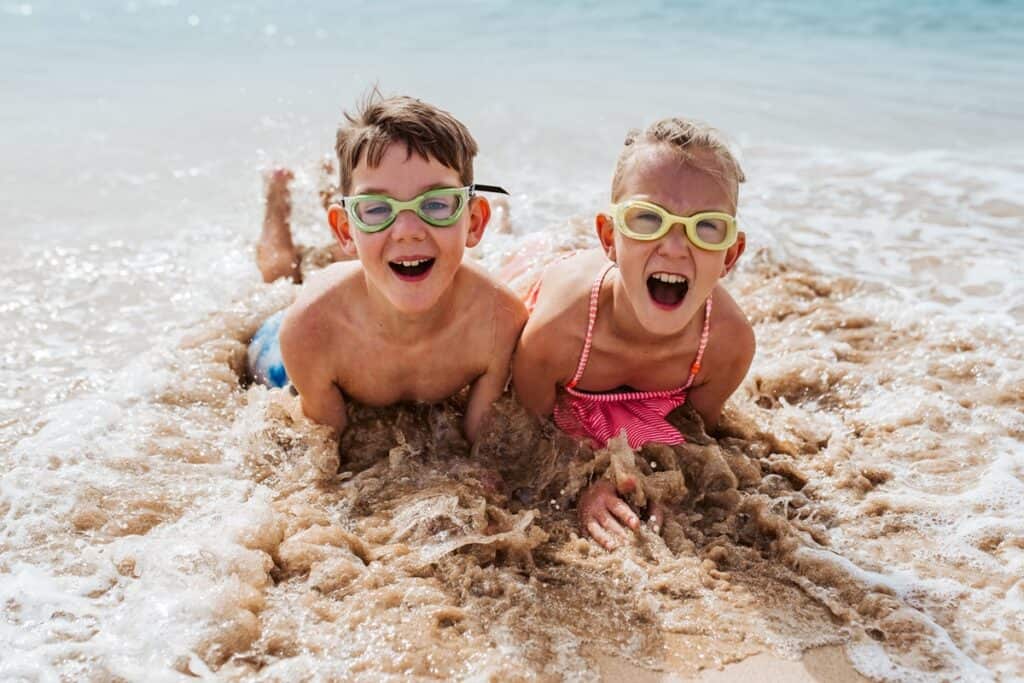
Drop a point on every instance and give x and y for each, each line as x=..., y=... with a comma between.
x=473, y=189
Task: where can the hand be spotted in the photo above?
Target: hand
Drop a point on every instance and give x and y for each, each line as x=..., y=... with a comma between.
x=603, y=514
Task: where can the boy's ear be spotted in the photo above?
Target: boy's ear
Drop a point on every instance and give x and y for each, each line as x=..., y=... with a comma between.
x=733, y=253
x=605, y=227
x=338, y=219
x=479, y=215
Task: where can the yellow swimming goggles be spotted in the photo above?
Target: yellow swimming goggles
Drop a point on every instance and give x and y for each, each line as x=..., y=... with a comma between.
x=708, y=230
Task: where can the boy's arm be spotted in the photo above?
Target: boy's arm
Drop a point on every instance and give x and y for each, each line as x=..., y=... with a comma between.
x=301, y=350
x=509, y=320
x=730, y=365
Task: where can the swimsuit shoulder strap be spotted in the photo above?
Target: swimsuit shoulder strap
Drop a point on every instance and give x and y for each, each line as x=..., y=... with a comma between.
x=595, y=293
x=695, y=368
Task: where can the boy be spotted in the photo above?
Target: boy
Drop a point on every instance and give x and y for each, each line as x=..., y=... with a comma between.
x=408, y=320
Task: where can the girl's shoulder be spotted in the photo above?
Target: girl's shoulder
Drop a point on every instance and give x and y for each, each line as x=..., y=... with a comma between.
x=570, y=279
x=731, y=336
x=564, y=288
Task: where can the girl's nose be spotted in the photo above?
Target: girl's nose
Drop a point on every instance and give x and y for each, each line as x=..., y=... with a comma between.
x=675, y=243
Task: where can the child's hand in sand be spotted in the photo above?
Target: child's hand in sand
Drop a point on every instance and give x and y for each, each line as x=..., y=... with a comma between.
x=606, y=516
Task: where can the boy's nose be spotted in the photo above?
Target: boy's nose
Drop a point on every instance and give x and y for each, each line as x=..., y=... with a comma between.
x=408, y=225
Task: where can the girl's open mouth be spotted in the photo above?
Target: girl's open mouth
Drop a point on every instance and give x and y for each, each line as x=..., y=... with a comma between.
x=666, y=289
x=416, y=269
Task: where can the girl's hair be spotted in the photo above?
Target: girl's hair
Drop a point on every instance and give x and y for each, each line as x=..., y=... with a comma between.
x=688, y=138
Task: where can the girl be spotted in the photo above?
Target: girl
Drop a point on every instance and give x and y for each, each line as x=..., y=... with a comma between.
x=620, y=336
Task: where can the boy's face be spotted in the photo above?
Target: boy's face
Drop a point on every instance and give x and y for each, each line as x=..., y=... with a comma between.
x=410, y=263
x=651, y=270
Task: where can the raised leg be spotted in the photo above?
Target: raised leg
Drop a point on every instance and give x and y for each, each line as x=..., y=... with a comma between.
x=276, y=254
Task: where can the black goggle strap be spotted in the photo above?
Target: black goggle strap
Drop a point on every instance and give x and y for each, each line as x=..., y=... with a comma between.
x=473, y=189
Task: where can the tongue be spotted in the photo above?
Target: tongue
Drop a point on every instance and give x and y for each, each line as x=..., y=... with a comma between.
x=665, y=293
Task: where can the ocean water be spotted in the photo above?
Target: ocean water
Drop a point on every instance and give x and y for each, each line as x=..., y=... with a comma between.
x=163, y=521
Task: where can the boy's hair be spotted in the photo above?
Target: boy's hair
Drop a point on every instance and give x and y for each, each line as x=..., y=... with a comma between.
x=686, y=137
x=423, y=129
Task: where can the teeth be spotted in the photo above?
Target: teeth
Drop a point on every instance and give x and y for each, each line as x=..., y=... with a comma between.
x=669, y=278
x=412, y=264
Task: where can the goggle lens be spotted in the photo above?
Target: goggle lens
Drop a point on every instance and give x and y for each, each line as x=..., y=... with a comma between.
x=373, y=212
x=712, y=230
x=440, y=208
x=642, y=220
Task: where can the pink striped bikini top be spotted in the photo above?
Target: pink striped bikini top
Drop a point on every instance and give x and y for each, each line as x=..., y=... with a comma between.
x=641, y=414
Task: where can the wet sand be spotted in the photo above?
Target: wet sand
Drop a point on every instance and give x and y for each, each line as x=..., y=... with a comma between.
x=820, y=665
x=860, y=509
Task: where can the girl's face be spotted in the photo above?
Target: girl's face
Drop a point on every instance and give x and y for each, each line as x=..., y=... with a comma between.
x=667, y=281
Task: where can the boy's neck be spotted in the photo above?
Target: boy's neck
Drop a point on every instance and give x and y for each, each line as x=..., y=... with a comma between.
x=399, y=326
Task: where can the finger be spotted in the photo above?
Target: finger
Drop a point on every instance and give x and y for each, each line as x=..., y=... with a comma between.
x=657, y=516
x=612, y=525
x=598, y=533
x=627, y=485
x=621, y=509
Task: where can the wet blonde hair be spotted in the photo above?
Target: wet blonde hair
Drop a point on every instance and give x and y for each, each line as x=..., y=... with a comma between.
x=424, y=129
x=687, y=138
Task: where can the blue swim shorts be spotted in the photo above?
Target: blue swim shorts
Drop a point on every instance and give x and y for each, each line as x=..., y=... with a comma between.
x=265, y=363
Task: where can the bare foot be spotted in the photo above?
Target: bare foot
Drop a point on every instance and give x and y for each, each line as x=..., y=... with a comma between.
x=276, y=254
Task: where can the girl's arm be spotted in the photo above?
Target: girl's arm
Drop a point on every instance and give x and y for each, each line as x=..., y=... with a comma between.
x=734, y=347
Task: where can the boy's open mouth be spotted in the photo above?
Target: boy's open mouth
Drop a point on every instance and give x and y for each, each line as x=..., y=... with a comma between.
x=415, y=269
x=667, y=289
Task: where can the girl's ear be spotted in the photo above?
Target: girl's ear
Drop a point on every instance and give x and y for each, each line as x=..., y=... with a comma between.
x=733, y=253
x=605, y=228
x=479, y=215
x=341, y=228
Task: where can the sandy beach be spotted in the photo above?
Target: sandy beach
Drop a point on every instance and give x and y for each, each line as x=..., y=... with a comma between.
x=860, y=516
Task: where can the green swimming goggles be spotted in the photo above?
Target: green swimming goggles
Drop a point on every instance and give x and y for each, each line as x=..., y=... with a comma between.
x=708, y=230
x=439, y=208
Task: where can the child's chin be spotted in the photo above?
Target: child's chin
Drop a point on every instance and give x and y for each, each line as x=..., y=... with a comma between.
x=663, y=320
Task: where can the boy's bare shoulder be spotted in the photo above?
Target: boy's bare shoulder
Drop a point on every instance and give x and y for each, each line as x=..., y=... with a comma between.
x=474, y=282
x=316, y=310
x=337, y=280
